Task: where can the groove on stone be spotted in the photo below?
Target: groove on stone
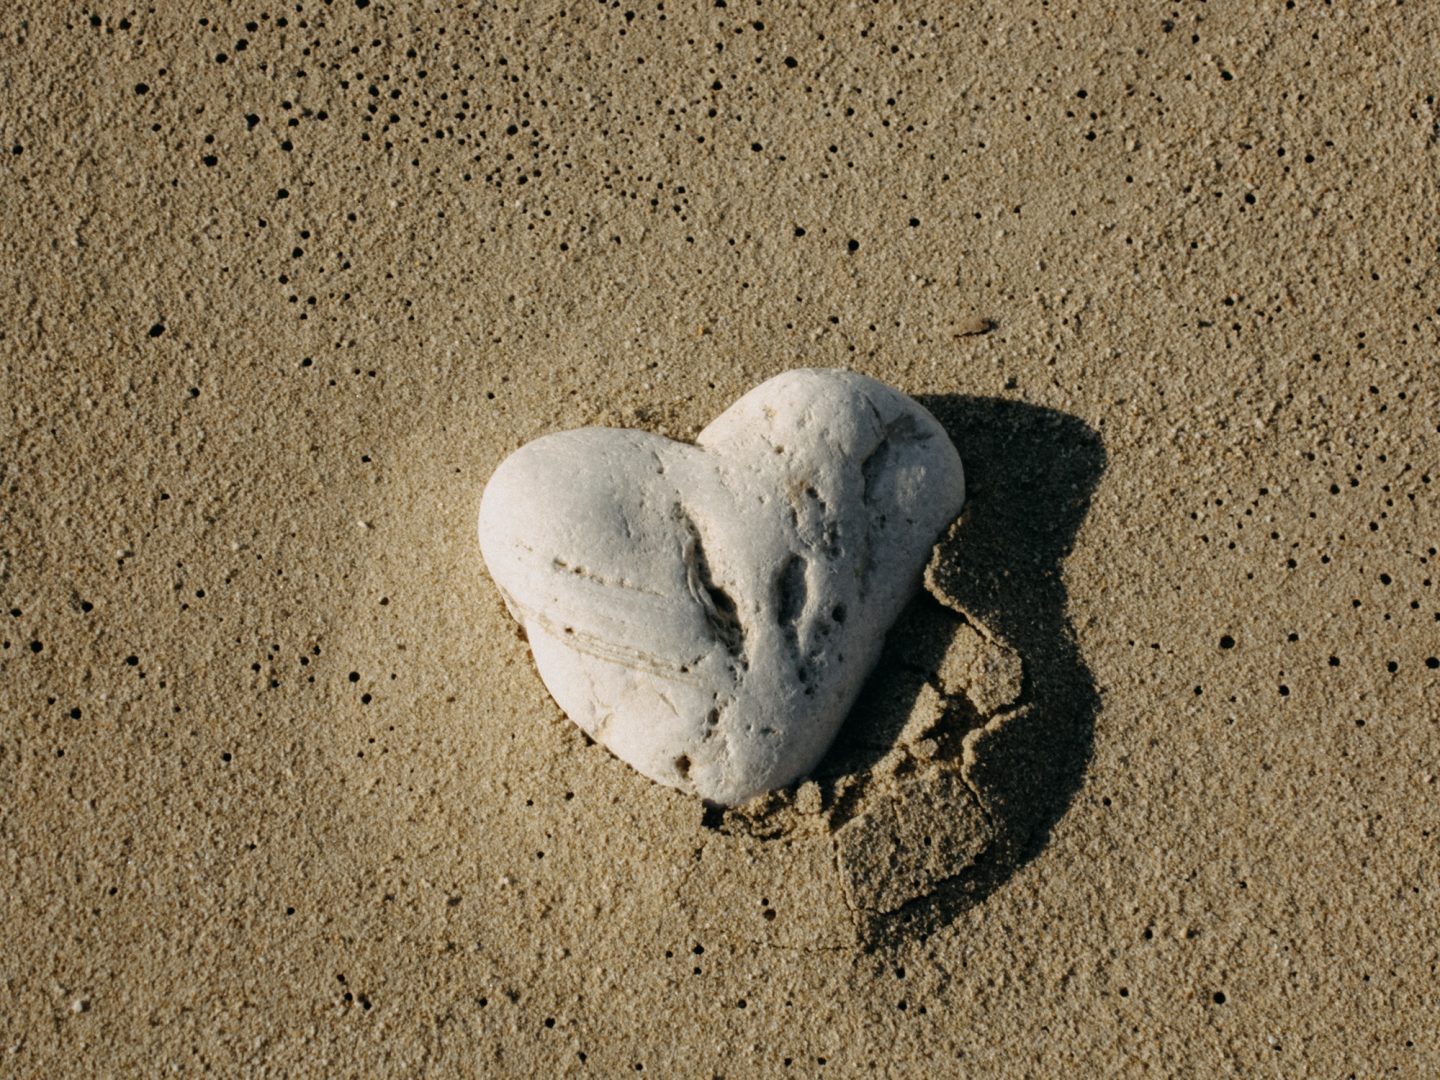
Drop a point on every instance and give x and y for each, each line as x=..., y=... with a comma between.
x=720, y=611
x=790, y=595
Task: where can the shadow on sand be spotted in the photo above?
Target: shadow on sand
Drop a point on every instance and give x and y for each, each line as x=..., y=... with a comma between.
x=1030, y=473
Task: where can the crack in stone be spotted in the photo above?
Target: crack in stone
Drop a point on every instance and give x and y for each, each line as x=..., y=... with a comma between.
x=719, y=607
x=587, y=574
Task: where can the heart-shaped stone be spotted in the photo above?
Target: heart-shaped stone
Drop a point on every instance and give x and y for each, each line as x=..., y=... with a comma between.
x=710, y=612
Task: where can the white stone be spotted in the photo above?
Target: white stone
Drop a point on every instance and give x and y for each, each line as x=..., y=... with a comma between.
x=710, y=612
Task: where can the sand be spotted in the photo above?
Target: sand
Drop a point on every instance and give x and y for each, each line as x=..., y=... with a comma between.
x=280, y=790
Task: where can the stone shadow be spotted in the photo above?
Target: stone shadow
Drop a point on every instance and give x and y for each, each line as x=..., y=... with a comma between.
x=1030, y=473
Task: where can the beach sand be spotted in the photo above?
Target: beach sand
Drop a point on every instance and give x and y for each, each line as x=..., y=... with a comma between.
x=280, y=790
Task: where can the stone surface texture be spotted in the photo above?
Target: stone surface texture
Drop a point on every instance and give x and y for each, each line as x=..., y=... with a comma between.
x=709, y=612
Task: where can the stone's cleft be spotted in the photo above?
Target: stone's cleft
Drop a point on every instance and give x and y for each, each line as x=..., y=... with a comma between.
x=789, y=599
x=720, y=611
